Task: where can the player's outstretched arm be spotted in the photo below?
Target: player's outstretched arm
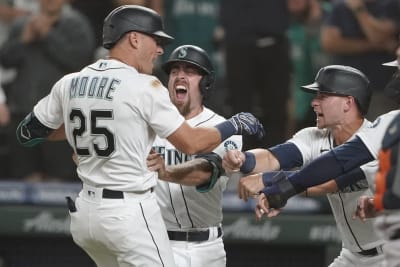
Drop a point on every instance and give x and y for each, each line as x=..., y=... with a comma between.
x=322, y=189
x=252, y=185
x=194, y=140
x=251, y=161
x=339, y=161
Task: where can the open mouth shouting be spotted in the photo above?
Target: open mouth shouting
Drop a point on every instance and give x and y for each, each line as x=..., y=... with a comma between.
x=180, y=93
x=319, y=115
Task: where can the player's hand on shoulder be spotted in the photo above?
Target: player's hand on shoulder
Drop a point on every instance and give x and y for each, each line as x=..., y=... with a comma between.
x=232, y=161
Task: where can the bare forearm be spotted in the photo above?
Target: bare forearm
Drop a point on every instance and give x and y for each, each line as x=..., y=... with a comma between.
x=333, y=42
x=191, y=173
x=265, y=161
x=323, y=189
x=58, y=134
x=376, y=29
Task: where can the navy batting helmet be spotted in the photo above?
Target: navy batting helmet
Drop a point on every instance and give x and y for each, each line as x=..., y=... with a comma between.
x=196, y=56
x=343, y=80
x=129, y=18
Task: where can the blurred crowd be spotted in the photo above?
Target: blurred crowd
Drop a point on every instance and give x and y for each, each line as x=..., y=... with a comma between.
x=263, y=51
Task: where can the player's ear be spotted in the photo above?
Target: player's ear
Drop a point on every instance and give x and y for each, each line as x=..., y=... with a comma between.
x=133, y=38
x=350, y=103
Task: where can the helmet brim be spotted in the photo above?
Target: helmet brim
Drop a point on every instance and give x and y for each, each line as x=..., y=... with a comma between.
x=311, y=88
x=393, y=63
x=165, y=38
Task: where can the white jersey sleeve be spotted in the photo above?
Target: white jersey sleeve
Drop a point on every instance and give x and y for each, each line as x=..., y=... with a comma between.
x=157, y=109
x=372, y=136
x=311, y=142
x=49, y=110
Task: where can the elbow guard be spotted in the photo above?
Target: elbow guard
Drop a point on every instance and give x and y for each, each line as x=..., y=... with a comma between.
x=215, y=162
x=31, y=131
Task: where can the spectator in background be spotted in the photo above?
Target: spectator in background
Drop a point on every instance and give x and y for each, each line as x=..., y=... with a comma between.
x=363, y=34
x=43, y=47
x=258, y=63
x=186, y=19
x=9, y=11
x=306, y=55
x=97, y=10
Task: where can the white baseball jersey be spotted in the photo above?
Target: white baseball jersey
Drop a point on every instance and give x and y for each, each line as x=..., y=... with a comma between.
x=183, y=208
x=112, y=115
x=372, y=136
x=356, y=235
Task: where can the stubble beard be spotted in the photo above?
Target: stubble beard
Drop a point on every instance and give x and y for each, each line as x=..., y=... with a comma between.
x=184, y=108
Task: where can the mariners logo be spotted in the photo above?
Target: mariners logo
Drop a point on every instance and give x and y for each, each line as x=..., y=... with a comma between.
x=182, y=53
x=229, y=145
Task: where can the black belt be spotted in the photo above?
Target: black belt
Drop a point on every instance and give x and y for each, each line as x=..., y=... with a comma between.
x=107, y=193
x=369, y=252
x=192, y=236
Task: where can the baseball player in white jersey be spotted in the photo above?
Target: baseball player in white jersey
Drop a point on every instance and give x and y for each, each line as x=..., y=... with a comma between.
x=112, y=111
x=193, y=215
x=341, y=103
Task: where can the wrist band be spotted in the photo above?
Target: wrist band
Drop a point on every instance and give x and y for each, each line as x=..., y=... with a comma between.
x=226, y=129
x=249, y=163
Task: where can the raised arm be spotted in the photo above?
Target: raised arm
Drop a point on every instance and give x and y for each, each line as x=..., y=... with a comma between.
x=194, y=140
x=337, y=162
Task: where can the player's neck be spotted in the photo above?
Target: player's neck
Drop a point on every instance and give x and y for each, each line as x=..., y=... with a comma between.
x=343, y=132
x=194, y=112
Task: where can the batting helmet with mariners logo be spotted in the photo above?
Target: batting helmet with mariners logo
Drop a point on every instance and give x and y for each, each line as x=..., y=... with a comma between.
x=345, y=81
x=129, y=18
x=196, y=56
